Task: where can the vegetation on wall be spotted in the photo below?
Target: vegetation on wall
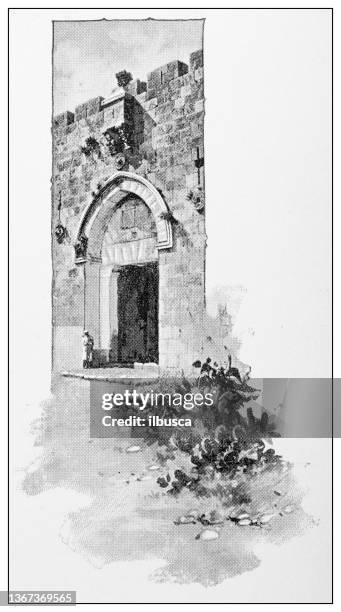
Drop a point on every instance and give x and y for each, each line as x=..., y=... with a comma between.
x=92, y=147
x=118, y=139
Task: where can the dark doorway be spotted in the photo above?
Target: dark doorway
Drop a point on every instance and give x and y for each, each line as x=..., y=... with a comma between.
x=138, y=295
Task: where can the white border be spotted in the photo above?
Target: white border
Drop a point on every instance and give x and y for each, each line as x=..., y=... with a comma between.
x=86, y=13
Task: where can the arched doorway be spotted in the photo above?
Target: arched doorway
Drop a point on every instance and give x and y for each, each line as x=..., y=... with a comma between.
x=119, y=240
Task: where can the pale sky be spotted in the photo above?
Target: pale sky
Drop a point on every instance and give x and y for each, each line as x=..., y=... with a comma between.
x=87, y=54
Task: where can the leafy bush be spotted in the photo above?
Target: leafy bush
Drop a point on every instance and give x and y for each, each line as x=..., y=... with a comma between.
x=222, y=444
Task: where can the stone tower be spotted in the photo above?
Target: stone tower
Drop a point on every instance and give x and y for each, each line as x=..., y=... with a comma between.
x=128, y=222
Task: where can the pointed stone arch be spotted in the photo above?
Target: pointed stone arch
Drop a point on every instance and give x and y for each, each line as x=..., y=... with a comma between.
x=101, y=277
x=96, y=216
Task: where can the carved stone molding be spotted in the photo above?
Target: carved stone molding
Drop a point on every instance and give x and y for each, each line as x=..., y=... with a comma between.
x=96, y=215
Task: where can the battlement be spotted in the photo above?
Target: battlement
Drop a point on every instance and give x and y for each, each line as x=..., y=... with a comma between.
x=136, y=87
x=156, y=80
x=160, y=76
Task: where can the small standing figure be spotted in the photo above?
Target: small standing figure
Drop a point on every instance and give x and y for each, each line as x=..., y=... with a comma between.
x=207, y=373
x=88, y=345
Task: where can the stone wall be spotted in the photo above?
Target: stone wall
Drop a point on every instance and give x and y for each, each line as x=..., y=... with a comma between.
x=164, y=120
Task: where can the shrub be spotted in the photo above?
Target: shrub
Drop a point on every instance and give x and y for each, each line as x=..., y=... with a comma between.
x=123, y=78
x=222, y=444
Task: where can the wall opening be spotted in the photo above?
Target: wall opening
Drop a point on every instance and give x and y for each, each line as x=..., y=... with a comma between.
x=137, y=314
x=124, y=231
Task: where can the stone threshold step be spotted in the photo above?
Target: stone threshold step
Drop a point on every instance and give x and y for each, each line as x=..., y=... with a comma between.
x=114, y=375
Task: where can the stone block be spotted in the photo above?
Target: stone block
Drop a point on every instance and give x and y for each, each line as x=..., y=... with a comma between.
x=196, y=60
x=196, y=129
x=185, y=91
x=108, y=114
x=152, y=103
x=179, y=103
x=94, y=105
x=136, y=87
x=151, y=91
x=158, y=78
x=198, y=74
x=192, y=180
x=189, y=108
x=197, y=150
x=141, y=98
x=80, y=112
x=175, y=84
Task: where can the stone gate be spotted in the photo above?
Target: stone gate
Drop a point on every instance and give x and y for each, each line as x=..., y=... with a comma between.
x=128, y=223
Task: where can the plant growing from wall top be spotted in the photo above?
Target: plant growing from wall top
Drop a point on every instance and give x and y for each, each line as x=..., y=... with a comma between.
x=123, y=78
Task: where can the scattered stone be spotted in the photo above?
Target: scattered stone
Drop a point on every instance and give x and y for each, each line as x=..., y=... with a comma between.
x=185, y=520
x=194, y=513
x=133, y=449
x=212, y=519
x=236, y=518
x=232, y=517
x=216, y=518
x=153, y=468
x=208, y=534
x=244, y=522
x=288, y=509
x=265, y=518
